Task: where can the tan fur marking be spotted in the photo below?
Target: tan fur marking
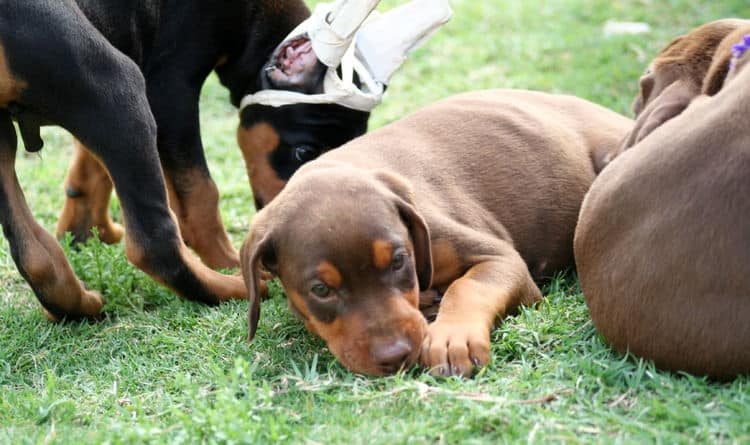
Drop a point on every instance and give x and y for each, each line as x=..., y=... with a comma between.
x=227, y=287
x=446, y=263
x=200, y=221
x=10, y=86
x=329, y=274
x=256, y=143
x=382, y=253
x=89, y=177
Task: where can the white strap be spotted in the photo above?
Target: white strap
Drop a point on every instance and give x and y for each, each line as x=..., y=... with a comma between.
x=379, y=49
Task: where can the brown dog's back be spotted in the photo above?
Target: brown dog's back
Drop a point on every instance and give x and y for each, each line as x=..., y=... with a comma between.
x=663, y=242
x=516, y=166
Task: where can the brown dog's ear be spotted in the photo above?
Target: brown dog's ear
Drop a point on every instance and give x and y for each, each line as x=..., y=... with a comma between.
x=716, y=75
x=644, y=94
x=257, y=251
x=420, y=237
x=670, y=103
x=418, y=230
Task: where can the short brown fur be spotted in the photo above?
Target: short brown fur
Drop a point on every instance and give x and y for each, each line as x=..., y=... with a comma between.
x=689, y=66
x=481, y=193
x=662, y=241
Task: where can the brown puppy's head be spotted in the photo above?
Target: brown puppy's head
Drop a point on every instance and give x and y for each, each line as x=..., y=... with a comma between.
x=352, y=254
x=740, y=55
x=677, y=76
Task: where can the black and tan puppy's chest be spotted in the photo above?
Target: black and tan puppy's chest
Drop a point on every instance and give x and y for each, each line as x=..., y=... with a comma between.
x=476, y=196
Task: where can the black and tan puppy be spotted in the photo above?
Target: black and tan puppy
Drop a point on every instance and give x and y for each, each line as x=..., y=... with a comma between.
x=663, y=241
x=176, y=45
x=124, y=78
x=476, y=196
x=691, y=65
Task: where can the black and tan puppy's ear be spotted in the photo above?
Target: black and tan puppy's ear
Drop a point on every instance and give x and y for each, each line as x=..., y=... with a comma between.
x=294, y=66
x=418, y=230
x=672, y=101
x=257, y=252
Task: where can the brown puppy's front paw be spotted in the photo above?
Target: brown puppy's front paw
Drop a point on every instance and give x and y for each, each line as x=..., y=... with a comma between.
x=453, y=348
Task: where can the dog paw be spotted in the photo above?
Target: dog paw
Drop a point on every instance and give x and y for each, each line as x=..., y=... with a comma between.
x=455, y=349
x=111, y=233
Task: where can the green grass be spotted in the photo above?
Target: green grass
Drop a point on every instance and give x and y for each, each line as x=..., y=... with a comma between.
x=159, y=369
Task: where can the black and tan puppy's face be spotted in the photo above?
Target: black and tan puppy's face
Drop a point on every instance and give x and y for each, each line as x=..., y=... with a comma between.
x=351, y=255
x=276, y=141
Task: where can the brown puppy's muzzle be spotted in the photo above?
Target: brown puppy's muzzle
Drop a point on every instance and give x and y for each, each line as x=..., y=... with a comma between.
x=377, y=338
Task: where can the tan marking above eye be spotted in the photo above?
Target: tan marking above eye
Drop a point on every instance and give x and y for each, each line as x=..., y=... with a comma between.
x=382, y=253
x=260, y=138
x=329, y=274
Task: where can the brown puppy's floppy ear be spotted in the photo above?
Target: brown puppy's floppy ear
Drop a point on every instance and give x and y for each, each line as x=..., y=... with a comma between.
x=257, y=251
x=644, y=93
x=716, y=75
x=418, y=230
x=668, y=104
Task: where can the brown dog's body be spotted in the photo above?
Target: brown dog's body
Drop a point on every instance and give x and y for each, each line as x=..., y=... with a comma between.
x=476, y=196
x=663, y=242
x=691, y=65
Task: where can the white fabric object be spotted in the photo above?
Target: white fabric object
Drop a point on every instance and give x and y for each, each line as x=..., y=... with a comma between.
x=615, y=28
x=374, y=51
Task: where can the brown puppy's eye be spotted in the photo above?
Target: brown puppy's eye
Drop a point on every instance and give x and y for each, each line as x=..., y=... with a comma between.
x=398, y=261
x=320, y=290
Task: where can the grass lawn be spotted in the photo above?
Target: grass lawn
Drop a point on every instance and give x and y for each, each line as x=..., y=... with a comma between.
x=159, y=369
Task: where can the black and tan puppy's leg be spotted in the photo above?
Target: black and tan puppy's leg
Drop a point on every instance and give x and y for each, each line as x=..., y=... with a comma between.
x=459, y=338
x=193, y=195
x=88, y=189
x=127, y=148
x=112, y=118
x=36, y=253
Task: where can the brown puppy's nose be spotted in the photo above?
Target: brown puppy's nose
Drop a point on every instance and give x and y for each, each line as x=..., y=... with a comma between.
x=389, y=356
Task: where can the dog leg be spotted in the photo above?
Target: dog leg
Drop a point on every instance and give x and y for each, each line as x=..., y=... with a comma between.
x=127, y=148
x=194, y=198
x=100, y=97
x=459, y=339
x=88, y=189
x=193, y=195
x=36, y=253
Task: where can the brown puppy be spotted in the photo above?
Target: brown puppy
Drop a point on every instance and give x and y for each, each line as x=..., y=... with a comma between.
x=475, y=196
x=691, y=65
x=663, y=241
